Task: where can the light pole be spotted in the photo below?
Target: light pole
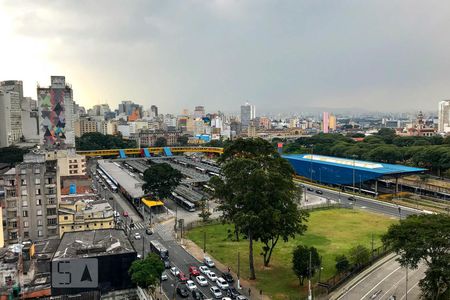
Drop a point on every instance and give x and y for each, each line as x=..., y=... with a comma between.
x=239, y=271
x=353, y=156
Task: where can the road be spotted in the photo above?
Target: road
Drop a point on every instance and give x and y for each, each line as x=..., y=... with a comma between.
x=386, y=281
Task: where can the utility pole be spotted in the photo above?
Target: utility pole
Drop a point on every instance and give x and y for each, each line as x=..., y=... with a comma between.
x=309, y=277
x=204, y=242
x=239, y=271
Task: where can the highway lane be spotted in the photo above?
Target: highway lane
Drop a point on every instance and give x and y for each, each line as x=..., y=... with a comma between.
x=361, y=202
x=386, y=281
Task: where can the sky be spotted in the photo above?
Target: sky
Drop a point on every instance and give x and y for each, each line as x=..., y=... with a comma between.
x=280, y=55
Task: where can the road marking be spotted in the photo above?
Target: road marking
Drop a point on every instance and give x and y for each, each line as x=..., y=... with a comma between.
x=410, y=289
x=381, y=282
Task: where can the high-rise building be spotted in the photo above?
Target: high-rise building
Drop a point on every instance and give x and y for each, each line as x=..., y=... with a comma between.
x=84, y=125
x=10, y=118
x=56, y=114
x=13, y=86
x=154, y=110
x=332, y=122
x=199, y=112
x=31, y=199
x=444, y=116
x=248, y=113
x=325, y=121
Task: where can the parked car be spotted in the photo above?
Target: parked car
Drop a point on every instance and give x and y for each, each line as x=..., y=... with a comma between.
x=183, y=291
x=193, y=271
x=319, y=192
x=201, y=280
x=351, y=198
x=208, y=261
x=164, y=276
x=149, y=231
x=232, y=292
x=125, y=213
x=204, y=270
x=216, y=292
x=198, y=295
x=212, y=276
x=240, y=297
x=228, y=277
x=191, y=285
x=310, y=189
x=137, y=236
x=222, y=283
x=182, y=277
x=166, y=263
x=174, y=271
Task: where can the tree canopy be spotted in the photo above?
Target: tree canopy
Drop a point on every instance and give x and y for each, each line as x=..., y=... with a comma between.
x=147, y=272
x=263, y=201
x=424, y=238
x=301, y=262
x=183, y=140
x=12, y=155
x=161, y=180
x=161, y=142
x=98, y=141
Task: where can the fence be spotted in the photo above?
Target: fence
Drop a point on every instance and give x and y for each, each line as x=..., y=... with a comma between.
x=332, y=283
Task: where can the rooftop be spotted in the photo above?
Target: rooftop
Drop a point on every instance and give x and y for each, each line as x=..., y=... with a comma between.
x=133, y=185
x=93, y=243
x=375, y=167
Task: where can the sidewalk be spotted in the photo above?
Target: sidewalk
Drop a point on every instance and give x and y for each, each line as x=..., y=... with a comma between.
x=337, y=293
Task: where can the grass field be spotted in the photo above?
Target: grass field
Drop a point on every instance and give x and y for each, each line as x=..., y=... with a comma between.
x=332, y=232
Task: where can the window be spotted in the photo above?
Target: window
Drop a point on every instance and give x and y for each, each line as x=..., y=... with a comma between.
x=24, y=203
x=25, y=213
x=50, y=191
x=23, y=182
x=39, y=212
x=13, y=235
x=40, y=233
x=23, y=171
x=24, y=193
x=37, y=171
x=38, y=202
x=26, y=234
x=38, y=191
x=12, y=224
x=51, y=211
x=51, y=222
x=39, y=222
x=12, y=182
x=66, y=217
x=37, y=181
x=25, y=224
x=49, y=180
x=72, y=226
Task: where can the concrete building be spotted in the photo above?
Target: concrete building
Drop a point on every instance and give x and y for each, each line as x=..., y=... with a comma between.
x=31, y=199
x=10, y=118
x=84, y=214
x=248, y=113
x=199, y=112
x=325, y=122
x=444, y=116
x=30, y=120
x=112, y=251
x=332, y=122
x=154, y=110
x=84, y=125
x=13, y=86
x=148, y=137
x=56, y=112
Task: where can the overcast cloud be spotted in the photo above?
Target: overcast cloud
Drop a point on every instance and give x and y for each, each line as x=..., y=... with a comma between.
x=279, y=55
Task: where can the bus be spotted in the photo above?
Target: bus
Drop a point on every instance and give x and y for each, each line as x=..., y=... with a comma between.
x=201, y=170
x=159, y=249
x=213, y=174
x=187, y=205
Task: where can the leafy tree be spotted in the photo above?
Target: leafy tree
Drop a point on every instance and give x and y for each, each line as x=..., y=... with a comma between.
x=183, y=140
x=146, y=273
x=262, y=205
x=161, y=180
x=359, y=255
x=301, y=262
x=424, y=238
x=387, y=134
x=12, y=154
x=204, y=211
x=98, y=141
x=161, y=142
x=342, y=263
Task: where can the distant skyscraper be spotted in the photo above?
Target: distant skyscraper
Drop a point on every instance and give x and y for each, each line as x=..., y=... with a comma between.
x=10, y=118
x=199, y=112
x=56, y=114
x=13, y=86
x=248, y=113
x=444, y=116
x=154, y=110
x=325, y=121
x=332, y=122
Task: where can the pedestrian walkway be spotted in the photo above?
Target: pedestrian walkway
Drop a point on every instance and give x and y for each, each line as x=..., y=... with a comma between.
x=165, y=231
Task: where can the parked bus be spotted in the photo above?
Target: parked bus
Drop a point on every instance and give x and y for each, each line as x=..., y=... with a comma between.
x=159, y=249
x=187, y=205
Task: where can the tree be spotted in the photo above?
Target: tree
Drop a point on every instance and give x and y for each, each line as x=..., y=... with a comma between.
x=424, y=238
x=12, y=154
x=387, y=134
x=359, y=255
x=98, y=141
x=146, y=273
x=342, y=263
x=161, y=180
x=262, y=205
x=161, y=142
x=183, y=140
x=204, y=211
x=301, y=258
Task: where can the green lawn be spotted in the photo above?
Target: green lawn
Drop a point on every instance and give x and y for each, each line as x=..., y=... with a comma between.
x=332, y=232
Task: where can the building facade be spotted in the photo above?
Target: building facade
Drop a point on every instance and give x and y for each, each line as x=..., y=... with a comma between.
x=248, y=113
x=148, y=138
x=444, y=117
x=31, y=199
x=84, y=125
x=56, y=114
x=10, y=118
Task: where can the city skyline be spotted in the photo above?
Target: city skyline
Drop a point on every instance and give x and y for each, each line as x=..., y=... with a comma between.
x=280, y=57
